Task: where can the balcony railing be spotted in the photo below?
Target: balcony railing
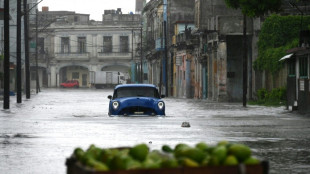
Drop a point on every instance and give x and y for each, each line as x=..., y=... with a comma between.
x=72, y=56
x=113, y=55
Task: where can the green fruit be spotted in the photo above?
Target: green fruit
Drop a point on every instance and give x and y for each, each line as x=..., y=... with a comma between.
x=139, y=152
x=240, y=151
x=187, y=162
x=94, y=151
x=167, y=149
x=194, y=154
x=132, y=164
x=86, y=158
x=222, y=143
x=79, y=153
x=202, y=146
x=100, y=167
x=231, y=161
x=169, y=163
x=210, y=149
x=150, y=164
x=180, y=146
x=206, y=160
x=220, y=153
x=119, y=162
x=214, y=161
x=181, y=150
x=155, y=155
x=251, y=161
x=107, y=155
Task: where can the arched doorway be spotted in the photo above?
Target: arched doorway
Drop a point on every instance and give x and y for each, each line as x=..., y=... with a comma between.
x=79, y=73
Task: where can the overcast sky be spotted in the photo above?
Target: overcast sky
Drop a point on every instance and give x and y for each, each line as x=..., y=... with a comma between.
x=93, y=7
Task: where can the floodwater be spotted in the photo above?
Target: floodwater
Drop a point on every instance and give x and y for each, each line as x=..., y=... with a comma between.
x=38, y=135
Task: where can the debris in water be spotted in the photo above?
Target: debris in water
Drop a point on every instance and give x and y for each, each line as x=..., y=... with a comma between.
x=186, y=124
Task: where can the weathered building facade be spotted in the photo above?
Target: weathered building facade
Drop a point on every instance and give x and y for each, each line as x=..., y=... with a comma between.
x=220, y=31
x=70, y=46
x=161, y=17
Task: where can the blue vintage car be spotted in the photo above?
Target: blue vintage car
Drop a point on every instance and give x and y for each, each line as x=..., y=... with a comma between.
x=136, y=100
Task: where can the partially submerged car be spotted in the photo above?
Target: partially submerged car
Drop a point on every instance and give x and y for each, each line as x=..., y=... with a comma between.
x=70, y=84
x=136, y=100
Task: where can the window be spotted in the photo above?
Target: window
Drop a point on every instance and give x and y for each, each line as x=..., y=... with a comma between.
x=124, y=46
x=145, y=77
x=303, y=67
x=65, y=47
x=82, y=44
x=136, y=92
x=76, y=18
x=41, y=45
x=75, y=75
x=107, y=44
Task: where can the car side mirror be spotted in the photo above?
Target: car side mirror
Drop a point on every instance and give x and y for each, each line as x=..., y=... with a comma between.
x=162, y=96
x=110, y=97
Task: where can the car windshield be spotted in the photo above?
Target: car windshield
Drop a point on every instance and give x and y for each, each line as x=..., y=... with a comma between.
x=136, y=92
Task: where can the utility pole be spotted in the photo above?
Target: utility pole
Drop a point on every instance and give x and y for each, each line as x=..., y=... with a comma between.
x=37, y=73
x=165, y=56
x=18, y=54
x=245, y=63
x=131, y=44
x=141, y=61
x=166, y=59
x=26, y=37
x=6, y=64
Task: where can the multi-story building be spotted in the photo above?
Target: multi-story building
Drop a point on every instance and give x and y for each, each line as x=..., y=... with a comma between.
x=161, y=17
x=220, y=31
x=70, y=46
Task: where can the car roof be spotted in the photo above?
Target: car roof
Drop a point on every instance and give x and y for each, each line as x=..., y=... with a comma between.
x=135, y=85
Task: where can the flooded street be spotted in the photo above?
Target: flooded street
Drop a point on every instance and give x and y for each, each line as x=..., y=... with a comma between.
x=38, y=135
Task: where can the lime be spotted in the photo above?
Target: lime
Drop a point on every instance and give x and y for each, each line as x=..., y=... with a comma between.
x=206, y=160
x=220, y=153
x=78, y=153
x=119, y=162
x=202, y=146
x=214, y=161
x=107, y=155
x=231, y=161
x=240, y=151
x=187, y=162
x=167, y=149
x=169, y=163
x=251, y=161
x=224, y=142
x=132, y=164
x=180, y=146
x=139, y=152
x=98, y=166
x=194, y=154
x=155, y=155
x=150, y=164
x=94, y=151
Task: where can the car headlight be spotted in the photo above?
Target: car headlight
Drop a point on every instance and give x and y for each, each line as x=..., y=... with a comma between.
x=115, y=105
x=161, y=105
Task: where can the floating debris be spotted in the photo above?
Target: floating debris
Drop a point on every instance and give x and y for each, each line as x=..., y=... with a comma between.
x=186, y=124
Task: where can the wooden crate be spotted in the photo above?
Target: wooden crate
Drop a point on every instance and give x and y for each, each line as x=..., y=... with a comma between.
x=74, y=167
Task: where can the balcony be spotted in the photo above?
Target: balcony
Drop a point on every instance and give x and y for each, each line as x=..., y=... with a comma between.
x=115, y=55
x=72, y=56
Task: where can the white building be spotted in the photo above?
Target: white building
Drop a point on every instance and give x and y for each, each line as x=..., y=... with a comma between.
x=72, y=47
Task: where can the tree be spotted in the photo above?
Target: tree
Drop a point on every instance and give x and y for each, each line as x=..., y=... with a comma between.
x=251, y=8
